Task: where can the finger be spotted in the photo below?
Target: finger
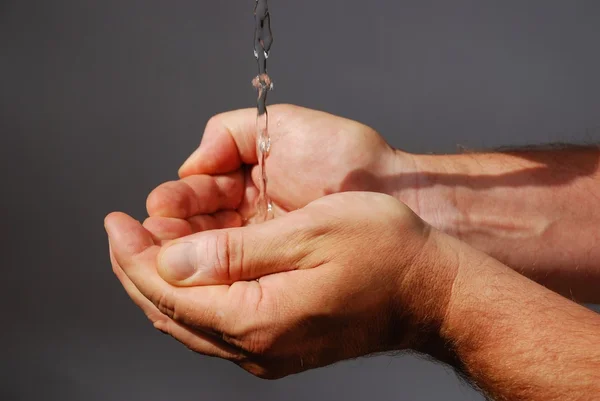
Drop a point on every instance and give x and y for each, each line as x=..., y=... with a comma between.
x=239, y=254
x=135, y=252
x=167, y=228
x=151, y=312
x=128, y=239
x=196, y=194
x=203, y=343
x=229, y=140
x=215, y=221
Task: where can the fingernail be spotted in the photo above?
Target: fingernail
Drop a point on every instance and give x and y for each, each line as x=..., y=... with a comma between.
x=178, y=261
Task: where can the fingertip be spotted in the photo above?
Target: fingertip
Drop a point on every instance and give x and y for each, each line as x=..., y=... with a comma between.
x=183, y=171
x=192, y=163
x=110, y=216
x=206, y=159
x=155, y=201
x=169, y=199
x=111, y=221
x=227, y=142
x=150, y=202
x=127, y=237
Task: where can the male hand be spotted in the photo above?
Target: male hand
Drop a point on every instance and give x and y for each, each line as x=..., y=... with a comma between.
x=357, y=273
x=312, y=154
x=347, y=275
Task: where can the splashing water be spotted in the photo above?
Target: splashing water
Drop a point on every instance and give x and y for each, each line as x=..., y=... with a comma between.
x=263, y=39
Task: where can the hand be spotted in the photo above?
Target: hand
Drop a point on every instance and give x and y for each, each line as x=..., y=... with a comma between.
x=312, y=154
x=348, y=275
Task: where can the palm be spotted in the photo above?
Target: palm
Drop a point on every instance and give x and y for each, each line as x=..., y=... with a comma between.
x=313, y=154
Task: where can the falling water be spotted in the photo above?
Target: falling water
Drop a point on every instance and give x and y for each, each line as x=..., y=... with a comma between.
x=263, y=39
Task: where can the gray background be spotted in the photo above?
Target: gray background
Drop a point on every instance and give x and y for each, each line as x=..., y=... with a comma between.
x=100, y=101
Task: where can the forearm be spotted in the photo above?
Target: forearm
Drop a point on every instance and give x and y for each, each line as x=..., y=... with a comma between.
x=517, y=340
x=535, y=211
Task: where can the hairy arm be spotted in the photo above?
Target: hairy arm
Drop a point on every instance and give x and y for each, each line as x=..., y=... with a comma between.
x=517, y=340
x=536, y=210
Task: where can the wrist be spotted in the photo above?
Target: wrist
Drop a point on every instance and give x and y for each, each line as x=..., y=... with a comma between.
x=425, y=293
x=447, y=273
x=424, y=184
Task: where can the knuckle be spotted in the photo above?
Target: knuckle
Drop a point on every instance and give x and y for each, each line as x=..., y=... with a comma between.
x=236, y=335
x=238, y=357
x=228, y=256
x=254, y=329
x=221, y=263
x=216, y=123
x=250, y=340
x=166, y=305
x=160, y=324
x=213, y=120
x=245, y=297
x=259, y=344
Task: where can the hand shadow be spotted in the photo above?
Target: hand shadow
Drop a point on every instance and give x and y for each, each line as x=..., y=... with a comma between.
x=551, y=172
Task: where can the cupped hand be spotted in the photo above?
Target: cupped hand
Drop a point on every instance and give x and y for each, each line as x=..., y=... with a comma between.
x=347, y=275
x=312, y=154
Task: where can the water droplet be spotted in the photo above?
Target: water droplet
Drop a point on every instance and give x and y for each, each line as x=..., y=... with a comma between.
x=265, y=145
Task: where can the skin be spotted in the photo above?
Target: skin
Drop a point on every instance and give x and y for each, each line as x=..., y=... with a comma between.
x=273, y=327
x=363, y=265
x=534, y=210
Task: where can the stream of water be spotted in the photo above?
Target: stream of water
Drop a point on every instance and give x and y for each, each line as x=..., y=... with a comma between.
x=263, y=39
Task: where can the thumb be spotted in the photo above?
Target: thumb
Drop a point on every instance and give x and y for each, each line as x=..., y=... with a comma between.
x=228, y=141
x=236, y=254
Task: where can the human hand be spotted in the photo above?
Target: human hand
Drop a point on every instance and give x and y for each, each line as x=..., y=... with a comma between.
x=348, y=275
x=312, y=154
